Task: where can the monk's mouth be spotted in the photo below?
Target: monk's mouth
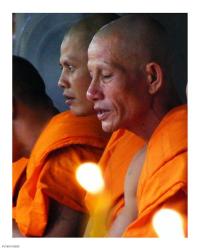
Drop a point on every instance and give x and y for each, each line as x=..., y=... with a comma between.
x=102, y=114
x=69, y=100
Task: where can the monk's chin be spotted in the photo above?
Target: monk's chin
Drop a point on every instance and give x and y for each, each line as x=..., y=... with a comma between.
x=82, y=112
x=108, y=128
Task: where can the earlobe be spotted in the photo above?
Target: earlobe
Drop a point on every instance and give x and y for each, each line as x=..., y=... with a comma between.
x=154, y=77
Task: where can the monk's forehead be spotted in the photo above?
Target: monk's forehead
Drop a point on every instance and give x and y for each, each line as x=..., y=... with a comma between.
x=76, y=39
x=112, y=50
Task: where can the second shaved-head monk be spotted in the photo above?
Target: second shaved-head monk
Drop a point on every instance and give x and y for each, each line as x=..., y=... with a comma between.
x=132, y=88
x=51, y=202
x=75, y=78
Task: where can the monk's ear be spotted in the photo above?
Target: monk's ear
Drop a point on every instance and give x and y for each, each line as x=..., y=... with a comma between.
x=154, y=77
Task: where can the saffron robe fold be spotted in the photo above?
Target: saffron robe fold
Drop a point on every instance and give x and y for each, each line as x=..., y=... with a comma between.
x=66, y=142
x=18, y=171
x=18, y=168
x=163, y=181
x=120, y=150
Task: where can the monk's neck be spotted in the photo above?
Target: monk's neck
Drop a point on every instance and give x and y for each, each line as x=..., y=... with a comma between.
x=159, y=108
x=145, y=127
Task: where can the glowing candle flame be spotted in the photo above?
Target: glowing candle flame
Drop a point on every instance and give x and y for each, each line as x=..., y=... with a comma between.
x=168, y=223
x=90, y=177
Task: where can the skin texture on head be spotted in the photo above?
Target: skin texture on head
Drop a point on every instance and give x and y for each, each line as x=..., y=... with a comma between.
x=131, y=86
x=75, y=78
x=32, y=108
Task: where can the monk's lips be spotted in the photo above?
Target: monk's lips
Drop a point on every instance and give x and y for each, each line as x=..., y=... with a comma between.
x=102, y=113
x=69, y=100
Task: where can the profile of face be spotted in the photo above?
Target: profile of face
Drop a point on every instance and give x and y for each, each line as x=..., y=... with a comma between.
x=118, y=84
x=75, y=78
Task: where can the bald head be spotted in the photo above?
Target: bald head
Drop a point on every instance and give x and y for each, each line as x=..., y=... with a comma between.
x=140, y=36
x=86, y=28
x=75, y=78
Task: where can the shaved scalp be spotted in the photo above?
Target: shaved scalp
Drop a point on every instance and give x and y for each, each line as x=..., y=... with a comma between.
x=87, y=27
x=143, y=36
x=28, y=85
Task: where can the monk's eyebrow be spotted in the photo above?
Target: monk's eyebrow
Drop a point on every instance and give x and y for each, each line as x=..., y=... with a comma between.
x=112, y=65
x=68, y=60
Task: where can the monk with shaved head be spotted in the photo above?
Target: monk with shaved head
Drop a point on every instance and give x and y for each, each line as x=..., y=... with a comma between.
x=50, y=203
x=75, y=78
x=132, y=88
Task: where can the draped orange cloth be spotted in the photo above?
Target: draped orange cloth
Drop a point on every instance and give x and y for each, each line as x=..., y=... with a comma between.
x=66, y=142
x=18, y=169
x=114, y=162
x=163, y=181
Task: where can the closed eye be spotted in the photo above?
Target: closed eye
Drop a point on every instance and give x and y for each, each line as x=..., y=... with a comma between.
x=106, y=77
x=106, y=74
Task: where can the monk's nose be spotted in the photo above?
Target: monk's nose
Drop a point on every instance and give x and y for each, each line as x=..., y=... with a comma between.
x=94, y=92
x=63, y=81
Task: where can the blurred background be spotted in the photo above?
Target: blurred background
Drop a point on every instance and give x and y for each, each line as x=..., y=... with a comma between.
x=38, y=36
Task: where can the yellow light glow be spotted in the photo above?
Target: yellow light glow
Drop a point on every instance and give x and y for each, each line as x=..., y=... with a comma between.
x=168, y=223
x=90, y=177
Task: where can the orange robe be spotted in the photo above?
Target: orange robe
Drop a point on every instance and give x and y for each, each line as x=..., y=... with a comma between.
x=18, y=170
x=163, y=181
x=114, y=162
x=66, y=142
